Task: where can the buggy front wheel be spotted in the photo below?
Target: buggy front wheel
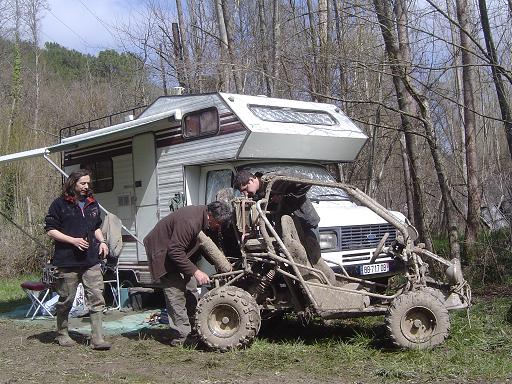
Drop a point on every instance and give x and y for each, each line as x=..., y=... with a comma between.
x=227, y=318
x=417, y=320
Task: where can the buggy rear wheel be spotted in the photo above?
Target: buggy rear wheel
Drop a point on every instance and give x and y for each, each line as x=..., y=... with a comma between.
x=227, y=318
x=417, y=320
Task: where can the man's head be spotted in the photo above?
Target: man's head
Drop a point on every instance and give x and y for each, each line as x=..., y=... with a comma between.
x=78, y=184
x=218, y=214
x=247, y=183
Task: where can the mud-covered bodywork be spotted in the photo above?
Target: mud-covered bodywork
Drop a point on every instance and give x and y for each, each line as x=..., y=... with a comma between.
x=277, y=268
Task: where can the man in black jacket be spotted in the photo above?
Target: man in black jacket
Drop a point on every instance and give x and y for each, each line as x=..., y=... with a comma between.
x=73, y=222
x=291, y=201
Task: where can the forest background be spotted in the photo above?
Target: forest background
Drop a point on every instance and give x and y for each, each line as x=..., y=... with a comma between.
x=428, y=81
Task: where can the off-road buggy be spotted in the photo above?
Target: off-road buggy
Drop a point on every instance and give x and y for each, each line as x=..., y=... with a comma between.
x=272, y=271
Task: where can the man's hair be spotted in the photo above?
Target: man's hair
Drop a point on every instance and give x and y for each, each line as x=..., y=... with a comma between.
x=241, y=179
x=220, y=211
x=68, y=189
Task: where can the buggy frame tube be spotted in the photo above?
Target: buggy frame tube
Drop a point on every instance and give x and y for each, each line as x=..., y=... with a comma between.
x=285, y=250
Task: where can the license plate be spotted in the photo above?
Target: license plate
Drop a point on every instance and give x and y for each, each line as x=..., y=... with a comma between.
x=371, y=269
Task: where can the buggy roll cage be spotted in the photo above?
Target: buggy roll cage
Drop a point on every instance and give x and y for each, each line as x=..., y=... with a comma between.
x=403, y=247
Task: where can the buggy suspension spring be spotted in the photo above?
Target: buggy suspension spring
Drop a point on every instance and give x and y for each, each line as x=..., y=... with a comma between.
x=265, y=282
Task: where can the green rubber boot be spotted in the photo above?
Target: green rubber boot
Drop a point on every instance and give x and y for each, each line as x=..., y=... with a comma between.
x=97, y=341
x=63, y=338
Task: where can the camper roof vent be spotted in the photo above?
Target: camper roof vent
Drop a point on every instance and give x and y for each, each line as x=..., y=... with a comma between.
x=176, y=91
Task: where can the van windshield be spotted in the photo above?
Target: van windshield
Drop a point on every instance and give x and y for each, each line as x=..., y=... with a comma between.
x=309, y=171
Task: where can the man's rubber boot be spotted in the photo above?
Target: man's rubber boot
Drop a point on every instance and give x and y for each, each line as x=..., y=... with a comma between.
x=62, y=328
x=97, y=341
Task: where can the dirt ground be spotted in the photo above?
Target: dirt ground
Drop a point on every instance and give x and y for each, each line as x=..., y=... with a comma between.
x=28, y=354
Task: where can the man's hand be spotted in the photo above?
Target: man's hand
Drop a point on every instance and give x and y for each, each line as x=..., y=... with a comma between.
x=80, y=243
x=201, y=277
x=103, y=250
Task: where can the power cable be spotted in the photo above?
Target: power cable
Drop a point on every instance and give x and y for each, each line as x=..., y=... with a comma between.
x=86, y=44
x=104, y=24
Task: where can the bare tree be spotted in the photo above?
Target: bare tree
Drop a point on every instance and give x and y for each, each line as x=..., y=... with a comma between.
x=183, y=43
x=228, y=23
x=497, y=73
x=405, y=103
x=468, y=69
x=16, y=84
x=223, y=41
x=266, y=79
x=276, y=46
x=32, y=12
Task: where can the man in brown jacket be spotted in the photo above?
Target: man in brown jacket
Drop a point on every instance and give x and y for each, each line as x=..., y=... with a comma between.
x=171, y=247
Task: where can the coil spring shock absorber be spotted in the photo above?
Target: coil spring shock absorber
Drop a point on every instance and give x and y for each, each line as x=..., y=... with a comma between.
x=264, y=284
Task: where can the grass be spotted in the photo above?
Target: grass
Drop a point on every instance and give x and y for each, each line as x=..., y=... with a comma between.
x=479, y=350
x=11, y=294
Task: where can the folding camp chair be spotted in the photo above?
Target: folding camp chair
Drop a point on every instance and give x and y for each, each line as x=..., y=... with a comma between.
x=111, y=280
x=39, y=294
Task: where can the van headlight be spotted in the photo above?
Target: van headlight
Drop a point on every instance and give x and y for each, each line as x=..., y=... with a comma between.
x=328, y=240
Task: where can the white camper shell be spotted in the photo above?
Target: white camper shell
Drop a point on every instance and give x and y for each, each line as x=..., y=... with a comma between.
x=191, y=145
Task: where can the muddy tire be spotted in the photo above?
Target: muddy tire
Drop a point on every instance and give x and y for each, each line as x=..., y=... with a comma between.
x=227, y=318
x=417, y=320
x=437, y=293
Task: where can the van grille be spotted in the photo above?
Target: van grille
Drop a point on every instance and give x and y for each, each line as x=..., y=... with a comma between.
x=365, y=236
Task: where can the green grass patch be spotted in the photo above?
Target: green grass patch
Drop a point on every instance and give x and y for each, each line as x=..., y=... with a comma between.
x=479, y=348
x=11, y=294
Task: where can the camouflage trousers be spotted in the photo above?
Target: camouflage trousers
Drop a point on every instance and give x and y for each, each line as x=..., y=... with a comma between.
x=67, y=282
x=181, y=300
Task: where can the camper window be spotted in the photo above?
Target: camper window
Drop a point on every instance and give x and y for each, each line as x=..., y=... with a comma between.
x=199, y=123
x=292, y=115
x=102, y=174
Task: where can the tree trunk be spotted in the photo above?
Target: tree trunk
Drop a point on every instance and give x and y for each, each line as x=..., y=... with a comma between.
x=384, y=16
x=266, y=81
x=33, y=10
x=496, y=70
x=162, y=70
x=235, y=71
x=313, y=73
x=409, y=193
x=196, y=83
x=16, y=76
x=424, y=108
x=276, y=49
x=322, y=76
x=223, y=38
x=474, y=194
x=184, y=46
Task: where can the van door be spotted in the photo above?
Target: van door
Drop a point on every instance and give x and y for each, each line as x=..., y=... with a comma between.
x=145, y=185
x=212, y=179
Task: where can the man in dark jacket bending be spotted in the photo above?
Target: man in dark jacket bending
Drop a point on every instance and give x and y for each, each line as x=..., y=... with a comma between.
x=171, y=247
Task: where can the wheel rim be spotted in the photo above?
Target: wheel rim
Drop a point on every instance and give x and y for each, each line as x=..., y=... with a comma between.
x=224, y=321
x=418, y=324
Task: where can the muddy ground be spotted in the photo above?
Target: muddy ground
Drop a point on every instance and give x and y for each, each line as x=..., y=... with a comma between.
x=28, y=354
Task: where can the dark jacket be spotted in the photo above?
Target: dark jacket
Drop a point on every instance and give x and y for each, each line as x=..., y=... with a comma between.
x=66, y=216
x=173, y=241
x=294, y=201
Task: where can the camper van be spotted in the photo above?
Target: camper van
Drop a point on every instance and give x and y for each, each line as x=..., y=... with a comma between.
x=188, y=147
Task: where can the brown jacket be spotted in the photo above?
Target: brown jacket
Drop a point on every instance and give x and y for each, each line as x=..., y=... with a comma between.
x=173, y=240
